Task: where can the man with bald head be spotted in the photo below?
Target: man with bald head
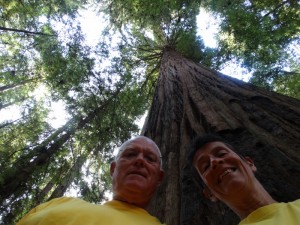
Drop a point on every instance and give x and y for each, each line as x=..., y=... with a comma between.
x=136, y=173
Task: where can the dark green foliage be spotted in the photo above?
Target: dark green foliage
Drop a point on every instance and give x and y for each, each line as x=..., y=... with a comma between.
x=264, y=34
x=38, y=161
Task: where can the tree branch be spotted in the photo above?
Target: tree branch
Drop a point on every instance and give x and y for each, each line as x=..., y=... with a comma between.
x=25, y=31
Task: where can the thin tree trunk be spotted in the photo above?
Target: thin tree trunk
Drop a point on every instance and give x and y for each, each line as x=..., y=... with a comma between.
x=191, y=100
x=68, y=178
x=3, y=106
x=43, y=193
x=5, y=124
x=8, y=123
x=40, y=155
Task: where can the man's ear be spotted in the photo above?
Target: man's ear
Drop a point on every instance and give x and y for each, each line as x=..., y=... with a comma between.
x=112, y=168
x=207, y=193
x=250, y=162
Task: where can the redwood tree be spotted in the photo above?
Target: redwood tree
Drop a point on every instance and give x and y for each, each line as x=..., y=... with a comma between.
x=191, y=100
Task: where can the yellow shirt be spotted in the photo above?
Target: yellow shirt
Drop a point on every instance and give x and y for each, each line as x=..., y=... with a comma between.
x=74, y=211
x=275, y=214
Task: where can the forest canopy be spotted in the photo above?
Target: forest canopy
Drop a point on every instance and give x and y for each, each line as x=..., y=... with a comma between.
x=106, y=87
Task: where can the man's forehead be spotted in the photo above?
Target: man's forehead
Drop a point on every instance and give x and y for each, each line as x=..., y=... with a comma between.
x=140, y=143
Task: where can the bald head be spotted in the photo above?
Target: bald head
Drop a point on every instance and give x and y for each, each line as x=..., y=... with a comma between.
x=142, y=138
x=136, y=172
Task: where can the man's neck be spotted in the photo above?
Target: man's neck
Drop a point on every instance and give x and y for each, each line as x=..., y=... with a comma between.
x=134, y=202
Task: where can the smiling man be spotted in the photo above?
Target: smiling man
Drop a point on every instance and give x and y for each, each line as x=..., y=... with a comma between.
x=229, y=177
x=136, y=174
x=136, y=171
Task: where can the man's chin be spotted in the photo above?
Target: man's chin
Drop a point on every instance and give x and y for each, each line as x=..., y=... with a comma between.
x=134, y=180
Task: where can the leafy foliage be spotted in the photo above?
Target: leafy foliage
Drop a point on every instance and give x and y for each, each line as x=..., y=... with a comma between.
x=263, y=34
x=44, y=59
x=40, y=162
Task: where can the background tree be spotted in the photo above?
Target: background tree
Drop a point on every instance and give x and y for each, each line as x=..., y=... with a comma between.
x=192, y=100
x=262, y=37
x=38, y=161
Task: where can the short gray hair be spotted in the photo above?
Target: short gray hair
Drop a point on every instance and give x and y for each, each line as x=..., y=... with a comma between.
x=122, y=147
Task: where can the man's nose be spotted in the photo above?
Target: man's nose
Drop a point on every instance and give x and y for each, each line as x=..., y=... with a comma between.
x=215, y=161
x=140, y=158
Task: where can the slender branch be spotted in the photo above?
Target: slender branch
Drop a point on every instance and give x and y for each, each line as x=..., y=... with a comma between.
x=275, y=9
x=11, y=86
x=25, y=31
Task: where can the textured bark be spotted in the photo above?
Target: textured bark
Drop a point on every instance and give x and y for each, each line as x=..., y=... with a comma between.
x=191, y=99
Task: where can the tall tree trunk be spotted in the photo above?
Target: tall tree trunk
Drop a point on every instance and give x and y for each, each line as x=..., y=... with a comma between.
x=191, y=99
x=15, y=180
x=69, y=177
x=41, y=155
x=44, y=192
x=8, y=123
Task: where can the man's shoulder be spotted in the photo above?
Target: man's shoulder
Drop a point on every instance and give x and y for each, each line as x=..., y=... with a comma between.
x=62, y=200
x=296, y=202
x=294, y=205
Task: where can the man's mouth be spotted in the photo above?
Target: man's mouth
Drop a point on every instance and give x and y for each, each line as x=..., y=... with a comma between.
x=138, y=173
x=229, y=170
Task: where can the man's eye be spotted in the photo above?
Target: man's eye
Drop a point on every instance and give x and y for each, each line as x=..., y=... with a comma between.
x=150, y=158
x=129, y=154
